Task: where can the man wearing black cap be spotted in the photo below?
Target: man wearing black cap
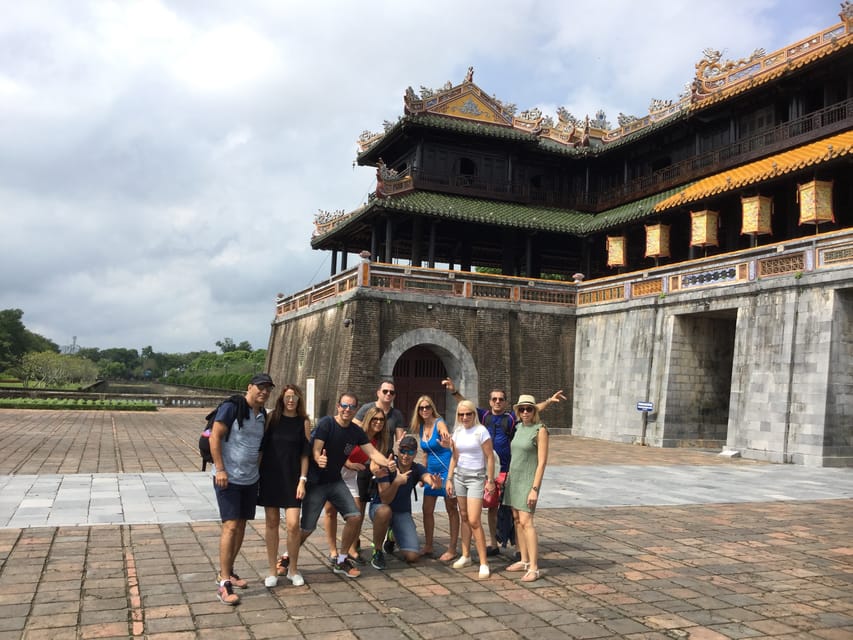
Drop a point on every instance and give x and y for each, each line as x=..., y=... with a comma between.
x=392, y=504
x=235, y=445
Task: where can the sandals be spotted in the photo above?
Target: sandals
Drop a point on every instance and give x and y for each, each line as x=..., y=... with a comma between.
x=447, y=556
x=531, y=576
x=518, y=566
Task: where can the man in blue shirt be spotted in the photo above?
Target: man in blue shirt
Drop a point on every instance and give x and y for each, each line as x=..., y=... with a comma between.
x=235, y=446
x=392, y=504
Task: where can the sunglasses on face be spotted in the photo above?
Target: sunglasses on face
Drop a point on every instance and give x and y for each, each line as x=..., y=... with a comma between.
x=467, y=414
x=407, y=452
x=344, y=406
x=525, y=409
x=498, y=399
x=291, y=398
x=424, y=408
x=377, y=419
x=389, y=392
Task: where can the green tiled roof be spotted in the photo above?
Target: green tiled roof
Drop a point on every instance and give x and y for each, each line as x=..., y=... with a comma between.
x=506, y=214
x=457, y=125
x=625, y=213
x=460, y=125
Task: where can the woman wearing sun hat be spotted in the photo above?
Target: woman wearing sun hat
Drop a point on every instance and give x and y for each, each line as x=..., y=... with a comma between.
x=526, y=469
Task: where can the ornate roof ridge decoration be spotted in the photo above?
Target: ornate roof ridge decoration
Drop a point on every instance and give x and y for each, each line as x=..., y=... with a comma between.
x=325, y=221
x=467, y=101
x=715, y=77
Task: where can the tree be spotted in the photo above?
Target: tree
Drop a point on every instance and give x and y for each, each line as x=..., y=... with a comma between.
x=16, y=339
x=226, y=345
x=53, y=369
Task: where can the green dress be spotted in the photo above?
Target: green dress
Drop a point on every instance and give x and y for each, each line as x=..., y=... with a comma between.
x=522, y=466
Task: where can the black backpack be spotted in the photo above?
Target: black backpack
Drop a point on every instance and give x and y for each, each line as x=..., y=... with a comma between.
x=204, y=438
x=504, y=422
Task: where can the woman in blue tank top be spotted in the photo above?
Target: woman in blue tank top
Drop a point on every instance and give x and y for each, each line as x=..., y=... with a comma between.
x=431, y=429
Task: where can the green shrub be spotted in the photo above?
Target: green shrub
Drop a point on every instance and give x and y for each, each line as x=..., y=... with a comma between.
x=76, y=403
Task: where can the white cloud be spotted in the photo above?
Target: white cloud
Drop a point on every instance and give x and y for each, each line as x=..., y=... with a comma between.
x=161, y=162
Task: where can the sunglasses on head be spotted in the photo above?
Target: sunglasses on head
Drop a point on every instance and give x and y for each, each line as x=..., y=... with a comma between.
x=345, y=406
x=407, y=452
x=526, y=409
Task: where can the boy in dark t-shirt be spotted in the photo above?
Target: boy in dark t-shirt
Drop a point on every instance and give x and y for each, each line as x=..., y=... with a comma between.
x=392, y=505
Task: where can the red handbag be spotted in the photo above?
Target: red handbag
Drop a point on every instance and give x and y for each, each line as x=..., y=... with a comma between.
x=493, y=498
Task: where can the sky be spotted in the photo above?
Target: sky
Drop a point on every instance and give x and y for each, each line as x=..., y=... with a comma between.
x=161, y=162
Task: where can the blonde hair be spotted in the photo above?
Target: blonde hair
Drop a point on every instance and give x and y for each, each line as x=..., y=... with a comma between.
x=468, y=406
x=415, y=424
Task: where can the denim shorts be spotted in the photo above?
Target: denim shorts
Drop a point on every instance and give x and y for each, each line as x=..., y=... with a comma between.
x=317, y=495
x=469, y=483
x=237, y=501
x=405, y=533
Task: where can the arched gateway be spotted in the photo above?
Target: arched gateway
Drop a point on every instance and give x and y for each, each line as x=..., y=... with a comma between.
x=408, y=359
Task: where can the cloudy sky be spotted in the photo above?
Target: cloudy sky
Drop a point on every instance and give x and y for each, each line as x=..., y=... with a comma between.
x=161, y=161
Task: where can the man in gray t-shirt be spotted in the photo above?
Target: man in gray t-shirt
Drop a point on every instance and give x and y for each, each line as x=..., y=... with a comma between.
x=235, y=444
x=395, y=421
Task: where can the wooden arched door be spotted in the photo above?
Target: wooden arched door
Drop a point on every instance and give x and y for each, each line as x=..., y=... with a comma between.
x=418, y=372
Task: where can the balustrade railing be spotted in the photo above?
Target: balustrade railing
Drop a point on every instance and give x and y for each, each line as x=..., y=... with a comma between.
x=782, y=258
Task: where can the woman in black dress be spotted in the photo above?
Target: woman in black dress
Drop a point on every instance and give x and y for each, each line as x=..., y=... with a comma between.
x=284, y=465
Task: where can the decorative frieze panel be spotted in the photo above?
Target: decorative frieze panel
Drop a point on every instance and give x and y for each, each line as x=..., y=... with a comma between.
x=839, y=255
x=608, y=294
x=782, y=265
x=704, y=278
x=647, y=288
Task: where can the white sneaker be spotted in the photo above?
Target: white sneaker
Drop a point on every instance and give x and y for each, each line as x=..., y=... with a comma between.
x=270, y=581
x=462, y=562
x=484, y=572
x=296, y=579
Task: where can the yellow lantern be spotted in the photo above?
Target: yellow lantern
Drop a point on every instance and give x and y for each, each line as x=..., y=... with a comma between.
x=657, y=240
x=757, y=212
x=703, y=228
x=616, y=251
x=815, y=202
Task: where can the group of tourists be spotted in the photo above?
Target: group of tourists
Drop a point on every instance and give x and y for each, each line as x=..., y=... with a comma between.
x=366, y=460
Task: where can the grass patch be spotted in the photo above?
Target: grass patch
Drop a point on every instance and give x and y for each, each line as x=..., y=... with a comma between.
x=76, y=403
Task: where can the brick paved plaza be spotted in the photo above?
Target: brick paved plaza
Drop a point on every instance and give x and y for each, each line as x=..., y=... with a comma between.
x=636, y=543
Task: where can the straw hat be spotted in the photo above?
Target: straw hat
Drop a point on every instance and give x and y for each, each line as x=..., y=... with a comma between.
x=524, y=399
